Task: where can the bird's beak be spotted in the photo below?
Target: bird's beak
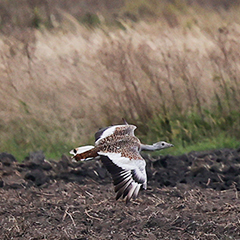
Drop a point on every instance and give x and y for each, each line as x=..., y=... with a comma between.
x=171, y=145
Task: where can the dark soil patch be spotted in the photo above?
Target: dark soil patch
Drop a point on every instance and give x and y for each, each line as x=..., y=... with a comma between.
x=193, y=196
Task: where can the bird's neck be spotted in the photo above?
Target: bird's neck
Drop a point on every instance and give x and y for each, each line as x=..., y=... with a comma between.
x=146, y=147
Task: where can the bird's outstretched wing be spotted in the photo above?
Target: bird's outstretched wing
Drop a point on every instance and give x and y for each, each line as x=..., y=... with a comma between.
x=128, y=173
x=114, y=131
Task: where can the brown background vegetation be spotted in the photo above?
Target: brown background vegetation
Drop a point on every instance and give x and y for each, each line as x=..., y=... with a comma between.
x=68, y=68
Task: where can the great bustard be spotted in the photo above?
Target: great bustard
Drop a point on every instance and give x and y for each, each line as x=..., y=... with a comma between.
x=119, y=150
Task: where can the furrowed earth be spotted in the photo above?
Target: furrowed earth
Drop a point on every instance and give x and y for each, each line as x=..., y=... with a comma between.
x=193, y=196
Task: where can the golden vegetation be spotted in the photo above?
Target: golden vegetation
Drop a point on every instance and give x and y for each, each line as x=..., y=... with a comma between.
x=175, y=75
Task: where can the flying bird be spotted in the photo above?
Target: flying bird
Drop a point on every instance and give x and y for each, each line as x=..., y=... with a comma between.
x=119, y=150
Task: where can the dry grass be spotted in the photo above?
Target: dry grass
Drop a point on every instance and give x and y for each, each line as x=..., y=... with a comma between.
x=61, y=85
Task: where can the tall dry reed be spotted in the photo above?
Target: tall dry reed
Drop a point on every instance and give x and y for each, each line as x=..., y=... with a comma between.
x=67, y=83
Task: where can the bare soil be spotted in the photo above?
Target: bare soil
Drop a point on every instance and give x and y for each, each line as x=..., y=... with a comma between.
x=193, y=196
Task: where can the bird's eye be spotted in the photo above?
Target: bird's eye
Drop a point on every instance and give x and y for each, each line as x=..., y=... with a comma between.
x=163, y=144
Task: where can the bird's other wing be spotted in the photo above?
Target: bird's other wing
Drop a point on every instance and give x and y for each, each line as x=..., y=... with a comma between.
x=114, y=130
x=99, y=133
x=128, y=173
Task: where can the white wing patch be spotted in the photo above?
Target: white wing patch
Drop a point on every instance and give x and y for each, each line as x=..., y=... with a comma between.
x=128, y=174
x=81, y=149
x=124, y=162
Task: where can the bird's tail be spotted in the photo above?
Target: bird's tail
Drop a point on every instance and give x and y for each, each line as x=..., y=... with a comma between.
x=84, y=153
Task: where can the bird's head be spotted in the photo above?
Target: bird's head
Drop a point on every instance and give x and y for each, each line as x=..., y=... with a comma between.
x=161, y=145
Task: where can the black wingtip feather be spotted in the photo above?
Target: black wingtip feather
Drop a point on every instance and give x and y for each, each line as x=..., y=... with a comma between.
x=122, y=184
x=122, y=190
x=126, y=191
x=123, y=180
